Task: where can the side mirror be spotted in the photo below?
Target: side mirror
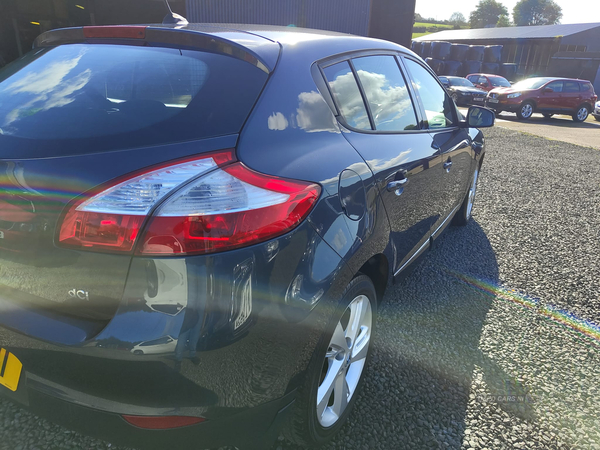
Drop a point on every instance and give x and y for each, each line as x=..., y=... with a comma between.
x=478, y=117
x=548, y=90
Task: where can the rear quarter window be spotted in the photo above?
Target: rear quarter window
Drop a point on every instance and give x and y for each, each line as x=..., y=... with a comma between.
x=83, y=98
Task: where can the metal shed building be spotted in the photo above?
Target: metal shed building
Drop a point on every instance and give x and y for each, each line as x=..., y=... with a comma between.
x=385, y=19
x=569, y=50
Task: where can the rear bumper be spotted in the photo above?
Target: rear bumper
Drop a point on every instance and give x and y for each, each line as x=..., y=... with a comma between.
x=256, y=427
x=221, y=337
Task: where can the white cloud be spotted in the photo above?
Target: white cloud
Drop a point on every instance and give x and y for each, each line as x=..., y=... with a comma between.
x=314, y=115
x=277, y=121
x=47, y=88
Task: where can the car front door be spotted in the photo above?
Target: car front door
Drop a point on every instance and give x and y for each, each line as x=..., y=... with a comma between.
x=451, y=141
x=549, y=96
x=376, y=106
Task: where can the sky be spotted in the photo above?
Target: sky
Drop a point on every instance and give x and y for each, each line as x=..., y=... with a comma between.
x=574, y=11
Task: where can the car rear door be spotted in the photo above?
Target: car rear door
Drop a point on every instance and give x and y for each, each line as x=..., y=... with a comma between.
x=451, y=141
x=377, y=107
x=571, y=95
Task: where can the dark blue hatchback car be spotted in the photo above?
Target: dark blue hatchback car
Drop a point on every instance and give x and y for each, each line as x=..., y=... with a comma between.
x=197, y=224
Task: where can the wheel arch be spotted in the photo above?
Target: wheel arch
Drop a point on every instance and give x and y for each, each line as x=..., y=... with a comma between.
x=529, y=100
x=377, y=268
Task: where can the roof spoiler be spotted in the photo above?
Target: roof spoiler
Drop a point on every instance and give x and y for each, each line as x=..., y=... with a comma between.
x=151, y=36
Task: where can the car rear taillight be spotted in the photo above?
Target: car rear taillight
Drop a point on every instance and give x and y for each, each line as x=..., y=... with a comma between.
x=191, y=207
x=228, y=208
x=111, y=219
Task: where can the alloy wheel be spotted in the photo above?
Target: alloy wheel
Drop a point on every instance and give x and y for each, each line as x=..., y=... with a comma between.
x=344, y=361
x=582, y=114
x=526, y=110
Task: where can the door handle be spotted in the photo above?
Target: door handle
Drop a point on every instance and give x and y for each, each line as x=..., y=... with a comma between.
x=447, y=165
x=395, y=185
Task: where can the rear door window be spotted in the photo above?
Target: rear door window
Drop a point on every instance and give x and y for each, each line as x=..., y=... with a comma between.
x=386, y=91
x=83, y=98
x=571, y=87
x=347, y=95
x=439, y=108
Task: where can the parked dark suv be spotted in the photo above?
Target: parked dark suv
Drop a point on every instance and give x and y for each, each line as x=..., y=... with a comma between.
x=463, y=92
x=548, y=96
x=198, y=224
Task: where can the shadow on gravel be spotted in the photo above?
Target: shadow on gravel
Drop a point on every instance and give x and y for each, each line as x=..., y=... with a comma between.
x=426, y=352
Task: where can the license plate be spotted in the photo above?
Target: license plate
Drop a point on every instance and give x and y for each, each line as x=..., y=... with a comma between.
x=10, y=370
x=493, y=100
x=477, y=99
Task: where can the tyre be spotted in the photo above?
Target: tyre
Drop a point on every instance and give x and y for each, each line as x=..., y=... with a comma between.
x=525, y=111
x=548, y=116
x=597, y=118
x=336, y=371
x=581, y=114
x=463, y=215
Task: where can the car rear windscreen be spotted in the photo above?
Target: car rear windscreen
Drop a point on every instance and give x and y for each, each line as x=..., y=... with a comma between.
x=87, y=98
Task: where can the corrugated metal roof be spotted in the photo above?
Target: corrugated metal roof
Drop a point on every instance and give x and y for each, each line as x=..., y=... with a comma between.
x=533, y=32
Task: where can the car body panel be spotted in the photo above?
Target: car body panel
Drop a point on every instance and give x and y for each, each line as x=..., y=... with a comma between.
x=293, y=122
x=455, y=146
x=596, y=111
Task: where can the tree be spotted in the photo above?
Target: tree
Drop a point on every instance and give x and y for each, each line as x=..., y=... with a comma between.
x=457, y=19
x=503, y=21
x=486, y=13
x=536, y=12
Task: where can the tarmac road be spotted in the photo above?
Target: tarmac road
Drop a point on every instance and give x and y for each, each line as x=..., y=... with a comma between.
x=558, y=128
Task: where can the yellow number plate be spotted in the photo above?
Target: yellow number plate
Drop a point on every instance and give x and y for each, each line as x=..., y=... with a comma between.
x=10, y=370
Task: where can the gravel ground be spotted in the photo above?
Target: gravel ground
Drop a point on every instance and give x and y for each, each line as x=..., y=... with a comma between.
x=490, y=342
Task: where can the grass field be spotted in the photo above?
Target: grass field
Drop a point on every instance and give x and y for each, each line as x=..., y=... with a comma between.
x=431, y=28
x=428, y=25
